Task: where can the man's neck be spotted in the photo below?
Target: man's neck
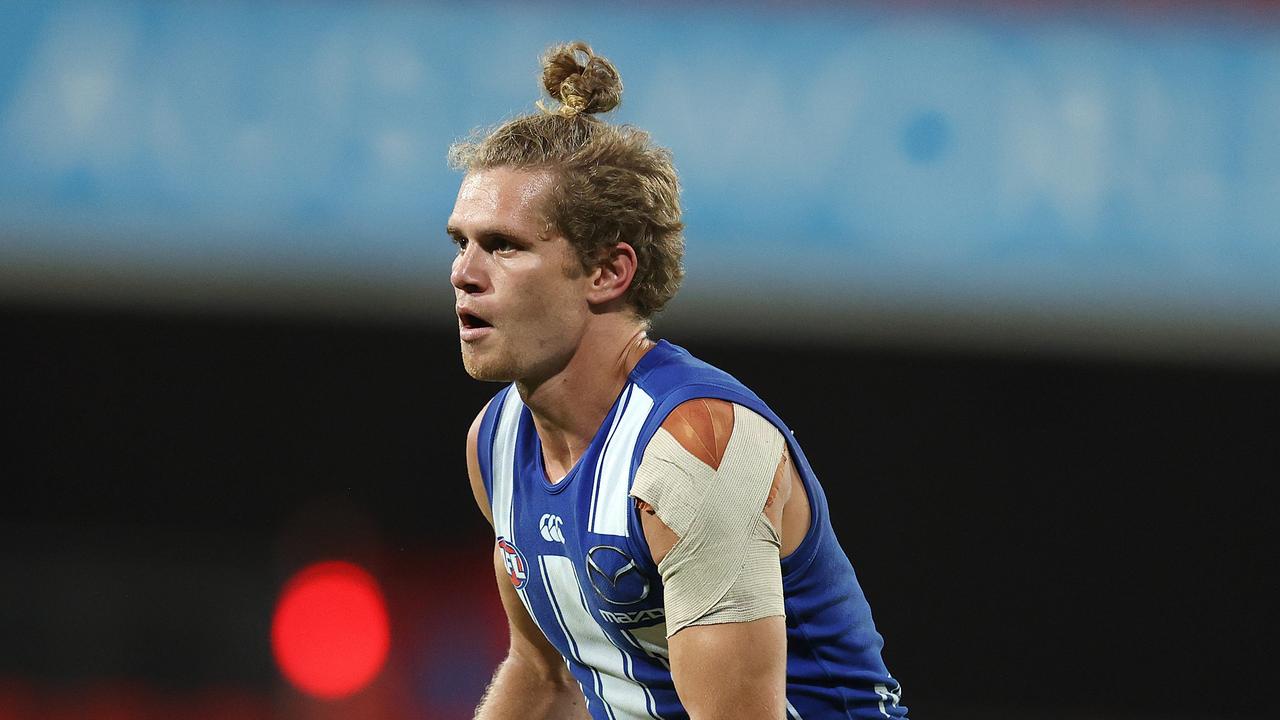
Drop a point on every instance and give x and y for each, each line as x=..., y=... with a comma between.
x=569, y=407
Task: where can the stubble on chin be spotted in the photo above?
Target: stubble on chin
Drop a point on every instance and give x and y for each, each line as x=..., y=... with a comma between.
x=485, y=370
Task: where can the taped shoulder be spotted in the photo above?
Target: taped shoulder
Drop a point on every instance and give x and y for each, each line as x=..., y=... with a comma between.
x=702, y=426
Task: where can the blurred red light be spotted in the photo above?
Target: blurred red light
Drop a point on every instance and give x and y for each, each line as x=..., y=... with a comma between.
x=330, y=633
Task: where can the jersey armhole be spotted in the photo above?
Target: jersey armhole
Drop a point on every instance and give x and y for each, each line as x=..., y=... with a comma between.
x=795, y=563
x=484, y=440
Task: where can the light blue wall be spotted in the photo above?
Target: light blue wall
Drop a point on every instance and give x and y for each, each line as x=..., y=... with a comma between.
x=1060, y=161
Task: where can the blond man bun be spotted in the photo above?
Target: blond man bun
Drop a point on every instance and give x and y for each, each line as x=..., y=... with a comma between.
x=580, y=80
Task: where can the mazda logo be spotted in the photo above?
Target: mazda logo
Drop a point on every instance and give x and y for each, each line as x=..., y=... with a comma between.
x=615, y=577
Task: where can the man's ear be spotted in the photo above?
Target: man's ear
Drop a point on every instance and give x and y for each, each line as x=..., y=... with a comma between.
x=612, y=274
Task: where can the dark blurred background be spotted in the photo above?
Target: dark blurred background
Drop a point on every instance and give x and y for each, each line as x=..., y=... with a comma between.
x=1009, y=272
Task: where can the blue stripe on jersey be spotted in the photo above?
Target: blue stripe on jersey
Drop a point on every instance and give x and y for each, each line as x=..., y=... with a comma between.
x=834, y=667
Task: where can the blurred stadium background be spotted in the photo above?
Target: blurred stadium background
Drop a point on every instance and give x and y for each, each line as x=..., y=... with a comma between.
x=1011, y=270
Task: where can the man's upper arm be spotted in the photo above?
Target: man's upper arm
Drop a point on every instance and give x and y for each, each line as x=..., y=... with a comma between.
x=701, y=480
x=732, y=671
x=473, y=465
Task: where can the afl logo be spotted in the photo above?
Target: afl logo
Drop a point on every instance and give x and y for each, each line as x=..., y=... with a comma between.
x=517, y=570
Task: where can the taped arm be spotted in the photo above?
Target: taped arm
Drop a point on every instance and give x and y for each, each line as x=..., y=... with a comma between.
x=713, y=483
x=533, y=681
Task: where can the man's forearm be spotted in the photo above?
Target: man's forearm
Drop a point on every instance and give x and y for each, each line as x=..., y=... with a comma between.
x=519, y=692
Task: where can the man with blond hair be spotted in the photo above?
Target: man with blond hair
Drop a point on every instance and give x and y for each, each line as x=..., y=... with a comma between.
x=663, y=549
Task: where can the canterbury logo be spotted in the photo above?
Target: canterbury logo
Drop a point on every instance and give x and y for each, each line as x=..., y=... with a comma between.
x=549, y=526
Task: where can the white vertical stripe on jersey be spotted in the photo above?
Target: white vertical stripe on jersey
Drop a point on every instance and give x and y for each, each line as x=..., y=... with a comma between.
x=573, y=643
x=503, y=461
x=792, y=713
x=595, y=476
x=624, y=698
x=650, y=703
x=652, y=653
x=611, y=505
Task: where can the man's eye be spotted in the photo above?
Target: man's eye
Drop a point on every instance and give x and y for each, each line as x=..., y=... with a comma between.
x=461, y=242
x=503, y=245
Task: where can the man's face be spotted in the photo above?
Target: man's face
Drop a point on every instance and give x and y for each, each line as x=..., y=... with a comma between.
x=518, y=287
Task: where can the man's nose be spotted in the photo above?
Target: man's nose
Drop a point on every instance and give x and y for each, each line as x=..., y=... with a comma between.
x=467, y=274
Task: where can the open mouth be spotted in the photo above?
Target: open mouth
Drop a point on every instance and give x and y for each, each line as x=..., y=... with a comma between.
x=471, y=321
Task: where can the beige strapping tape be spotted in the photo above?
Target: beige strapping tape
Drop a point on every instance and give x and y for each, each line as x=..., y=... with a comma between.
x=725, y=566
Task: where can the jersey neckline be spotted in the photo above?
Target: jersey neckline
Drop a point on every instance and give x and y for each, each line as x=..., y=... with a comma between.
x=529, y=438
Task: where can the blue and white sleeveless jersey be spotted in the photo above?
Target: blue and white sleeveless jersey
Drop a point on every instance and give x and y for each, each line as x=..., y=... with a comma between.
x=579, y=561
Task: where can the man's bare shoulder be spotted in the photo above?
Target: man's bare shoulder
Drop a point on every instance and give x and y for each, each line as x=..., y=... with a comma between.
x=702, y=426
x=473, y=433
x=473, y=464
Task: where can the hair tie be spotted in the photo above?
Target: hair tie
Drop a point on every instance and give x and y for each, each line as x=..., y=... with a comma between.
x=571, y=103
